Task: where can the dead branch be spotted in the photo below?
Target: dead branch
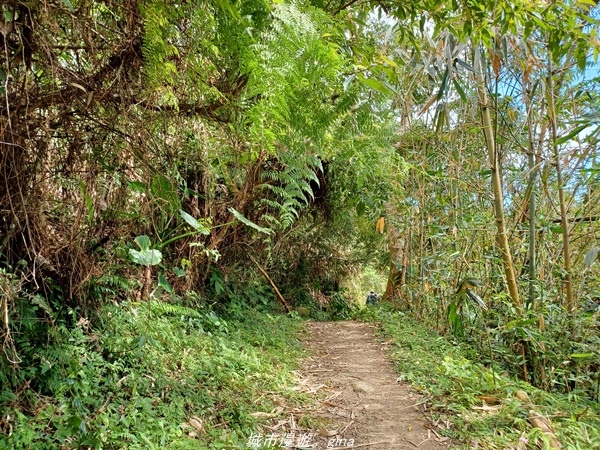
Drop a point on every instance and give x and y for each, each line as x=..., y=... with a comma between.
x=279, y=296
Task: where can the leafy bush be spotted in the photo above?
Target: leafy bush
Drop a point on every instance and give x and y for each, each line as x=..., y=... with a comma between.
x=340, y=307
x=458, y=388
x=154, y=376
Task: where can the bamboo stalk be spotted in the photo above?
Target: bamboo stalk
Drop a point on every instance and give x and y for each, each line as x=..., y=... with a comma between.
x=569, y=303
x=532, y=269
x=539, y=421
x=498, y=204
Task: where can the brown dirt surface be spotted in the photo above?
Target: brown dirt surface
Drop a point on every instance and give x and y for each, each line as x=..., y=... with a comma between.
x=361, y=400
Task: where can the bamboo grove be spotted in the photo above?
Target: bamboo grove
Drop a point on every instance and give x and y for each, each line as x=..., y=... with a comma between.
x=168, y=146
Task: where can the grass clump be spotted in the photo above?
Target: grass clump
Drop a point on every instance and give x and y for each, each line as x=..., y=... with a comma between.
x=153, y=375
x=478, y=402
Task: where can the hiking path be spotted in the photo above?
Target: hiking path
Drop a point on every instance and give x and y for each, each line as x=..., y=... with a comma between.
x=360, y=396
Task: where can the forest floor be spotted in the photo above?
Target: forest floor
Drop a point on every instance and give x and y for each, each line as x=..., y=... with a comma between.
x=361, y=398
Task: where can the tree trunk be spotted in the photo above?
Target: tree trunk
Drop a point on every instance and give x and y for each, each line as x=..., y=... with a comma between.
x=396, y=276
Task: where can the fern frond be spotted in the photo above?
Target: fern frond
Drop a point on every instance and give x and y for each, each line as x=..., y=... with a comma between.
x=162, y=308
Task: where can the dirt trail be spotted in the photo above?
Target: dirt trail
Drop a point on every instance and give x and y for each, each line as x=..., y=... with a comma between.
x=364, y=401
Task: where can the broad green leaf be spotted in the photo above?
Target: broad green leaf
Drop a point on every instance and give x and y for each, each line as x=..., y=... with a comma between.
x=239, y=216
x=179, y=271
x=194, y=223
x=360, y=208
x=89, y=204
x=164, y=283
x=163, y=189
x=137, y=186
x=146, y=257
x=143, y=242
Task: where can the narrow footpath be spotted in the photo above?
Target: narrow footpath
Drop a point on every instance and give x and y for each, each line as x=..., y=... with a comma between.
x=363, y=403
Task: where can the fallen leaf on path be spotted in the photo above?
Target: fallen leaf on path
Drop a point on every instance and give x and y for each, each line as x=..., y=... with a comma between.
x=260, y=414
x=327, y=433
x=490, y=399
x=487, y=408
x=197, y=423
x=277, y=425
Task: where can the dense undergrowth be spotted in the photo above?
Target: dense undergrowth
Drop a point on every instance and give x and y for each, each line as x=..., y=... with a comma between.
x=459, y=389
x=152, y=375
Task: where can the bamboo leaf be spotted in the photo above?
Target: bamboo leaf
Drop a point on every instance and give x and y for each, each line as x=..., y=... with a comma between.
x=476, y=298
x=467, y=66
x=460, y=90
x=444, y=83
x=590, y=257
x=581, y=355
x=347, y=81
x=428, y=104
x=572, y=134
x=227, y=7
x=375, y=84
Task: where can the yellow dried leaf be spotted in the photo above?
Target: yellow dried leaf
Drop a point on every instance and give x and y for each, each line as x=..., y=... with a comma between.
x=496, y=64
x=379, y=226
x=261, y=414
x=197, y=423
x=327, y=433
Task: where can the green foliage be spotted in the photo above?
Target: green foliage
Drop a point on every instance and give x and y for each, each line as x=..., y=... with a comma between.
x=203, y=226
x=340, y=307
x=139, y=378
x=159, y=43
x=457, y=387
x=145, y=256
x=462, y=298
x=359, y=284
x=305, y=123
x=249, y=223
x=291, y=187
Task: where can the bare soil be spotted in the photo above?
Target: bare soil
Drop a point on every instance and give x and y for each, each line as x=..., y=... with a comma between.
x=361, y=400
